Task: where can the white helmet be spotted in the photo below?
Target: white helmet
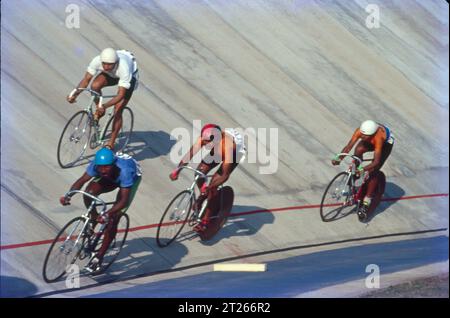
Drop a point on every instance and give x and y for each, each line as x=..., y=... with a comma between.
x=109, y=55
x=368, y=127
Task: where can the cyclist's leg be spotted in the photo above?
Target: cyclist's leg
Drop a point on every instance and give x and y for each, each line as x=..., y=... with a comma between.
x=118, y=109
x=213, y=192
x=374, y=176
x=205, y=168
x=361, y=148
x=134, y=189
x=102, y=80
x=387, y=149
x=111, y=227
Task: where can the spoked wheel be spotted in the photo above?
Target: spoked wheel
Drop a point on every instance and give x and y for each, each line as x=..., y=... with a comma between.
x=117, y=243
x=174, y=218
x=74, y=139
x=124, y=134
x=64, y=250
x=337, y=201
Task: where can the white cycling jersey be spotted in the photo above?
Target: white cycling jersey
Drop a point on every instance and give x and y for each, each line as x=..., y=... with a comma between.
x=125, y=70
x=241, y=151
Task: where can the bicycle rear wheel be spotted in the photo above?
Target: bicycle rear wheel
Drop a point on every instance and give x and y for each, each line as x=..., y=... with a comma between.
x=117, y=243
x=174, y=218
x=337, y=199
x=64, y=250
x=74, y=139
x=125, y=131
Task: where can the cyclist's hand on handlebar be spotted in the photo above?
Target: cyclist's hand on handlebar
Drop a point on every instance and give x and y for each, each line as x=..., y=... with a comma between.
x=335, y=162
x=359, y=171
x=174, y=175
x=100, y=112
x=64, y=200
x=71, y=99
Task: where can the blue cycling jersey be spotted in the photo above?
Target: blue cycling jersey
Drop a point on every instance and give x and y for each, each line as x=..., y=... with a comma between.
x=129, y=171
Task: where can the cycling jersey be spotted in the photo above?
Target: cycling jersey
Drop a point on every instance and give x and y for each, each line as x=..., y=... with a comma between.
x=129, y=170
x=125, y=70
x=241, y=151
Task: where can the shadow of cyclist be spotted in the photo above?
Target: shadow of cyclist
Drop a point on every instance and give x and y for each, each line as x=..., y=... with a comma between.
x=243, y=221
x=140, y=255
x=149, y=144
x=142, y=145
x=392, y=194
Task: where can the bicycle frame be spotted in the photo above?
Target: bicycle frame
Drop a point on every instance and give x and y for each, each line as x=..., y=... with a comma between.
x=351, y=173
x=90, y=111
x=86, y=215
x=197, y=214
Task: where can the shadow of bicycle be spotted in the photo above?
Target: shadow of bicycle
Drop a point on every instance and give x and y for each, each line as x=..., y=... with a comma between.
x=339, y=212
x=149, y=144
x=142, y=145
x=243, y=221
x=141, y=255
x=391, y=195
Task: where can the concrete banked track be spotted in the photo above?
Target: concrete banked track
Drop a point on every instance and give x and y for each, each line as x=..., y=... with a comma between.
x=312, y=69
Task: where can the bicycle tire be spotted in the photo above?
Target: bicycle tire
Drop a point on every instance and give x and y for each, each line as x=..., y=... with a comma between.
x=117, y=243
x=169, y=214
x=123, y=138
x=58, y=238
x=324, y=204
x=84, y=122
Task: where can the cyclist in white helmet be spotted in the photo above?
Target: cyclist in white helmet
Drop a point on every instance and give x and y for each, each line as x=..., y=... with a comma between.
x=374, y=137
x=111, y=67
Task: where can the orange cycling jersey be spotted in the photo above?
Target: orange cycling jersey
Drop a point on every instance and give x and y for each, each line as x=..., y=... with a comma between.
x=377, y=140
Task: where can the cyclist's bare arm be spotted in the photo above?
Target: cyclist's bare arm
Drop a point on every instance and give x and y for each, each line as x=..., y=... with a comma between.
x=122, y=200
x=376, y=158
x=118, y=98
x=76, y=186
x=227, y=165
x=348, y=147
x=352, y=142
x=83, y=84
x=192, y=151
x=218, y=179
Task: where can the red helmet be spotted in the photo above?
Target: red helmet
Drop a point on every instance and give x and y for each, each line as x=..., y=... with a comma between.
x=209, y=131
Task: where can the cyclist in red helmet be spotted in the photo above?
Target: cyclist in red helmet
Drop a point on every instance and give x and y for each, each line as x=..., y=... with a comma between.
x=227, y=149
x=373, y=137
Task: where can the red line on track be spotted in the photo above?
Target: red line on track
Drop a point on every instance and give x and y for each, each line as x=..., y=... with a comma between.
x=300, y=207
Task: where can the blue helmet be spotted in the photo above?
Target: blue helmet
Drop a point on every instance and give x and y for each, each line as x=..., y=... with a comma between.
x=104, y=157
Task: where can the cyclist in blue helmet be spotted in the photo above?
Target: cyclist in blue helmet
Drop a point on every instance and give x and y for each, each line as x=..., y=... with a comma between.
x=106, y=173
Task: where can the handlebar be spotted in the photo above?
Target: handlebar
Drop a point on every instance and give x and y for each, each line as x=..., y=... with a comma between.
x=92, y=92
x=88, y=195
x=343, y=154
x=202, y=175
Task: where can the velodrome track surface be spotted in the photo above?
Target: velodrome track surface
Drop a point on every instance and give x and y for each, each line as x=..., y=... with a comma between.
x=312, y=69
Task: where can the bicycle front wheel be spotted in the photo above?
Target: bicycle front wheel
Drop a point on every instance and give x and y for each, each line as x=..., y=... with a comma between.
x=174, y=218
x=64, y=250
x=124, y=135
x=74, y=139
x=337, y=199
